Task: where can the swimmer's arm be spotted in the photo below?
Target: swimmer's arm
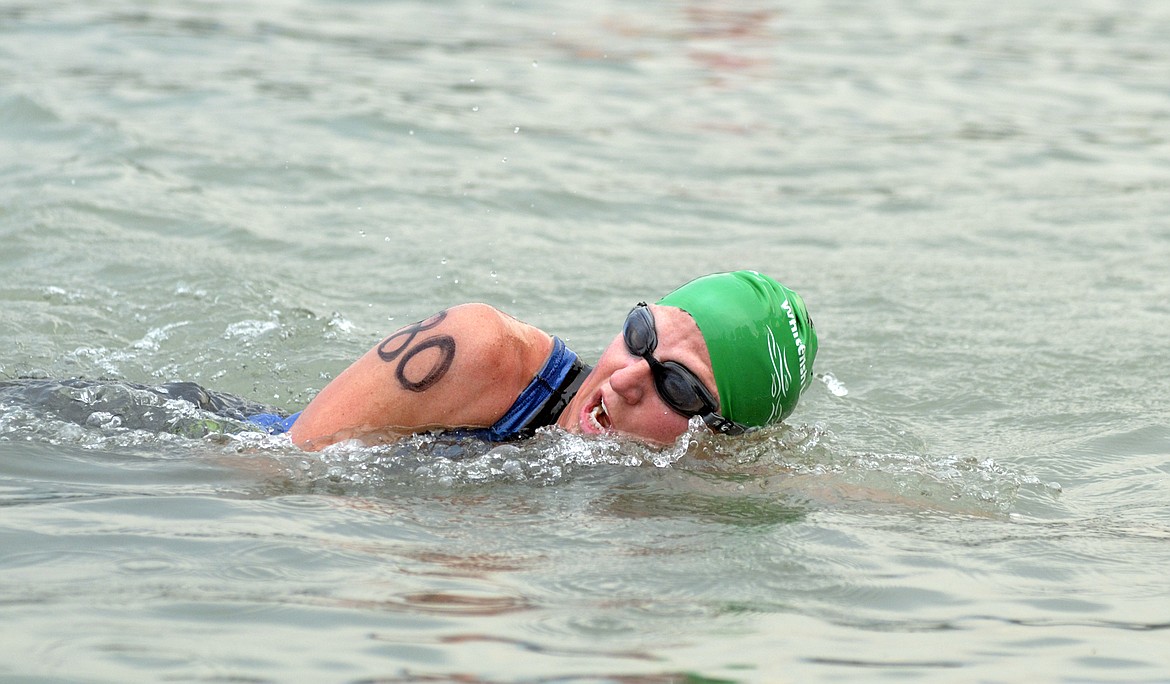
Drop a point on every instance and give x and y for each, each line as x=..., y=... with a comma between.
x=463, y=367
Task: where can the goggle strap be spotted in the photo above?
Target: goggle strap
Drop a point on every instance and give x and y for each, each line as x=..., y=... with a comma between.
x=722, y=425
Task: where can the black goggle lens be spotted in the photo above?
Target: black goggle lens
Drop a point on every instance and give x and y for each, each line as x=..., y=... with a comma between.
x=639, y=333
x=681, y=389
x=676, y=384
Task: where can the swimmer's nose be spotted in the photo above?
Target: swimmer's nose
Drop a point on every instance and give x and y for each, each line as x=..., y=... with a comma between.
x=632, y=381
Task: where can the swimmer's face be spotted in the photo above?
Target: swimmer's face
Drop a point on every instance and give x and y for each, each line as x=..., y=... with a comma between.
x=619, y=396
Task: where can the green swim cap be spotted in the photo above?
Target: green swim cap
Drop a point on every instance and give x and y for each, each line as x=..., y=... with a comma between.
x=761, y=339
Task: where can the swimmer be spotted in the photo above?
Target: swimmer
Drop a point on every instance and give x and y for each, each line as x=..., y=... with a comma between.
x=735, y=349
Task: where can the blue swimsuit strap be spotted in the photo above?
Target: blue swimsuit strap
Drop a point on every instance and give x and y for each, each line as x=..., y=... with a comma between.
x=545, y=397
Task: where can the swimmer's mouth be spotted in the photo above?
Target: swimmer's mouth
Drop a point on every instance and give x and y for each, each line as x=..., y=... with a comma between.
x=599, y=417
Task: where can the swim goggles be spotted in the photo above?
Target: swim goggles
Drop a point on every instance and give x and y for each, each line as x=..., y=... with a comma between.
x=676, y=384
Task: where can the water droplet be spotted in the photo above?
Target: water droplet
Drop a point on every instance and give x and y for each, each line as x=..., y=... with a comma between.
x=387, y=238
x=534, y=63
x=412, y=132
x=443, y=260
x=494, y=274
x=504, y=160
x=516, y=130
x=475, y=108
x=362, y=233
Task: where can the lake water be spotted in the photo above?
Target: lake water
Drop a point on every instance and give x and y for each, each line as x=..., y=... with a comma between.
x=973, y=199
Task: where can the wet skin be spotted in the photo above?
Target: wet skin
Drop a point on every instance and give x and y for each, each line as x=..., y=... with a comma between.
x=619, y=395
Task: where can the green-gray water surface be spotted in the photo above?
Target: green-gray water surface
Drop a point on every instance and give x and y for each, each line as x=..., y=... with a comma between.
x=972, y=198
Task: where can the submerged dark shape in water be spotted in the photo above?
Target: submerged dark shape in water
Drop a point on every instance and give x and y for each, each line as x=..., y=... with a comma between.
x=184, y=408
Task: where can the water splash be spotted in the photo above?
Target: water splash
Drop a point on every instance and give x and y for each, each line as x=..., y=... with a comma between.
x=249, y=329
x=551, y=457
x=153, y=339
x=786, y=460
x=836, y=387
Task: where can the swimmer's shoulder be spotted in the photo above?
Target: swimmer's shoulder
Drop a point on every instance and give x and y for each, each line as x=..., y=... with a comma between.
x=496, y=340
x=461, y=367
